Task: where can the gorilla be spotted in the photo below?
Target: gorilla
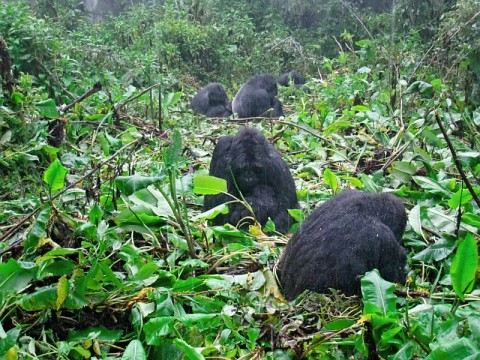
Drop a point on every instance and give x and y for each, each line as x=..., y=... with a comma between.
x=212, y=101
x=255, y=170
x=348, y=235
x=258, y=96
x=297, y=79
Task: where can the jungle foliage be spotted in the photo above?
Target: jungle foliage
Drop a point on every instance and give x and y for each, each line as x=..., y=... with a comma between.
x=104, y=249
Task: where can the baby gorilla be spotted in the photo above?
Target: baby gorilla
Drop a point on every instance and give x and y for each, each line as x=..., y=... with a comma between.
x=254, y=168
x=297, y=79
x=348, y=235
x=258, y=96
x=212, y=101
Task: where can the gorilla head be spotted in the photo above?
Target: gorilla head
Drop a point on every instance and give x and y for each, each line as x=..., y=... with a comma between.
x=212, y=101
x=294, y=76
x=348, y=235
x=254, y=169
x=258, y=96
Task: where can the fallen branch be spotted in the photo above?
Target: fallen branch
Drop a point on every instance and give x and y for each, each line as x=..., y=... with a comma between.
x=96, y=88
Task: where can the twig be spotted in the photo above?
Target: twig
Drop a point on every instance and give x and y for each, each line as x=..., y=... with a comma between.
x=358, y=19
x=95, y=88
x=14, y=229
x=120, y=106
x=458, y=164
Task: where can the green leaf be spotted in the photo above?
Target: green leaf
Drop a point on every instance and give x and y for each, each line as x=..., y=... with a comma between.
x=62, y=291
x=415, y=220
x=8, y=341
x=157, y=328
x=134, y=351
x=378, y=294
x=338, y=324
x=461, y=197
x=15, y=276
x=48, y=109
x=37, y=231
x=330, y=179
x=129, y=184
x=209, y=185
x=172, y=155
x=17, y=98
x=455, y=349
x=190, y=352
x=464, y=266
x=55, y=175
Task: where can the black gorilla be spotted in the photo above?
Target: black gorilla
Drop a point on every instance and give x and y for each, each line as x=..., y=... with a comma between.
x=348, y=235
x=212, y=101
x=253, y=167
x=295, y=76
x=258, y=96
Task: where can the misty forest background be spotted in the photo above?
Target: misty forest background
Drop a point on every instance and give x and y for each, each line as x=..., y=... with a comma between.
x=104, y=249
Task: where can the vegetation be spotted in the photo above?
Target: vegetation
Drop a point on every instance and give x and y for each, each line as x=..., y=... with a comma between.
x=104, y=249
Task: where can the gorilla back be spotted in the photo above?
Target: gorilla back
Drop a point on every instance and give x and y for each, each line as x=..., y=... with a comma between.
x=297, y=79
x=348, y=235
x=258, y=96
x=212, y=101
x=254, y=168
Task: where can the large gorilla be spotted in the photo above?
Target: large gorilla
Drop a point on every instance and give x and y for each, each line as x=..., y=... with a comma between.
x=254, y=169
x=257, y=97
x=297, y=79
x=212, y=101
x=348, y=235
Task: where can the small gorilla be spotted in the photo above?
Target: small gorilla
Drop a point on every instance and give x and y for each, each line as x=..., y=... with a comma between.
x=297, y=79
x=254, y=168
x=348, y=235
x=212, y=101
x=258, y=96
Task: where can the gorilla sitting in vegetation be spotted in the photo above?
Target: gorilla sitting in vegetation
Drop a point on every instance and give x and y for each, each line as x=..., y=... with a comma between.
x=255, y=170
x=212, y=101
x=294, y=76
x=348, y=235
x=257, y=97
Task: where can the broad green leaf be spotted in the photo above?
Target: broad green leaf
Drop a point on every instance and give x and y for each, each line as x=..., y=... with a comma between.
x=471, y=219
x=157, y=328
x=190, y=352
x=37, y=231
x=403, y=170
x=48, y=109
x=129, y=184
x=330, y=179
x=42, y=299
x=134, y=351
x=464, y=266
x=431, y=185
x=17, y=98
x=55, y=175
x=96, y=214
x=172, y=155
x=436, y=252
x=461, y=197
x=378, y=294
x=461, y=348
x=8, y=342
x=209, y=185
x=415, y=220
x=212, y=213
x=100, y=333
x=15, y=276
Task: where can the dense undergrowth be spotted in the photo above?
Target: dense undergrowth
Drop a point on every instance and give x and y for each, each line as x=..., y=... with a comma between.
x=105, y=251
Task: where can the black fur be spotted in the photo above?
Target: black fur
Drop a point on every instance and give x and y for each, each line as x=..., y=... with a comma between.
x=257, y=97
x=248, y=161
x=348, y=235
x=212, y=101
x=297, y=78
